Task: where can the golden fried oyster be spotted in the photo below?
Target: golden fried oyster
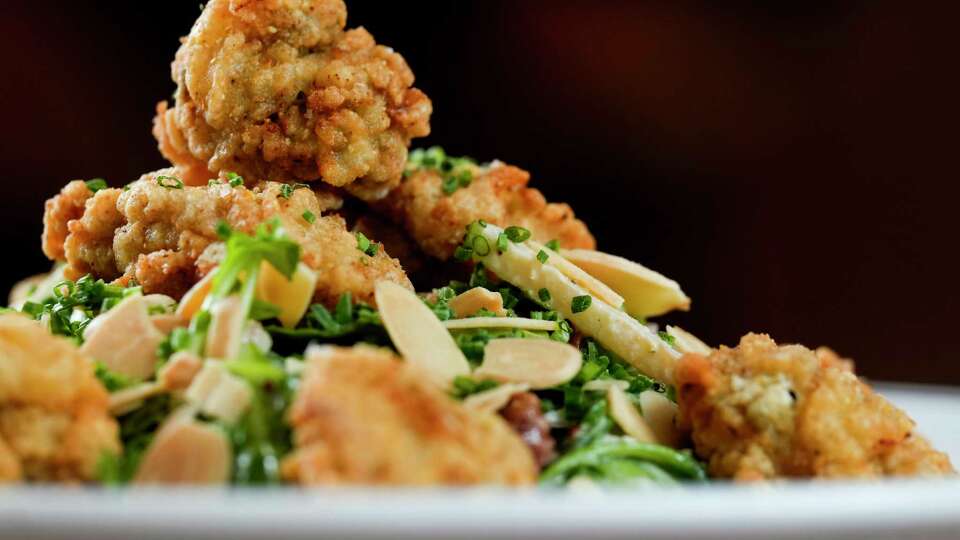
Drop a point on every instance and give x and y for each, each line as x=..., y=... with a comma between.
x=363, y=416
x=278, y=90
x=436, y=216
x=164, y=236
x=761, y=411
x=54, y=424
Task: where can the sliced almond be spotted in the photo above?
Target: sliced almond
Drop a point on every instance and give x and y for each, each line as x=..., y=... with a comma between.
x=627, y=417
x=540, y=363
x=594, y=286
x=603, y=385
x=36, y=288
x=167, y=322
x=192, y=301
x=125, y=400
x=186, y=452
x=180, y=370
x=519, y=323
x=204, y=382
x=470, y=302
x=494, y=399
x=646, y=293
x=124, y=339
x=418, y=334
x=686, y=342
x=227, y=322
x=660, y=414
x=292, y=296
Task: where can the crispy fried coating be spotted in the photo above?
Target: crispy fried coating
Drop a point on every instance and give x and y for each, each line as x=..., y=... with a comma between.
x=363, y=416
x=59, y=211
x=54, y=423
x=278, y=90
x=166, y=238
x=497, y=194
x=760, y=411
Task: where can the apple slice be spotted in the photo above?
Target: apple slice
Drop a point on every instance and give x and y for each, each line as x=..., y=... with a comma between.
x=646, y=293
x=292, y=296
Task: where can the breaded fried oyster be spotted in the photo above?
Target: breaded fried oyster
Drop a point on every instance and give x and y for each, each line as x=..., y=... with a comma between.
x=54, y=423
x=761, y=411
x=278, y=90
x=442, y=195
x=163, y=234
x=363, y=416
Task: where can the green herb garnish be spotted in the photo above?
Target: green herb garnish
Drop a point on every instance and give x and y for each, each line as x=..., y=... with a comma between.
x=542, y=256
x=234, y=179
x=169, y=182
x=365, y=245
x=581, y=303
x=517, y=234
x=544, y=295
x=96, y=184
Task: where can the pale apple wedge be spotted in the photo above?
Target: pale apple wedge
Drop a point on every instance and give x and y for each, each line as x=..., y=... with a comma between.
x=646, y=293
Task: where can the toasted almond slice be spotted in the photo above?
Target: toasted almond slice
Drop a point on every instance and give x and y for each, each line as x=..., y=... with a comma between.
x=627, y=417
x=686, y=342
x=418, y=334
x=124, y=339
x=646, y=293
x=186, y=452
x=36, y=288
x=192, y=301
x=204, y=382
x=167, y=322
x=540, y=363
x=494, y=399
x=128, y=399
x=227, y=322
x=519, y=323
x=603, y=385
x=594, y=286
x=613, y=328
x=469, y=302
x=180, y=370
x=292, y=296
x=660, y=414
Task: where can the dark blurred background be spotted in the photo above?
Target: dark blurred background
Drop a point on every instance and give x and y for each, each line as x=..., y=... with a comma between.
x=792, y=164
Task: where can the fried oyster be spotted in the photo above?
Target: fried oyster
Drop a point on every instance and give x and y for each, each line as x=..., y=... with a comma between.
x=760, y=411
x=497, y=193
x=364, y=416
x=165, y=237
x=54, y=423
x=278, y=90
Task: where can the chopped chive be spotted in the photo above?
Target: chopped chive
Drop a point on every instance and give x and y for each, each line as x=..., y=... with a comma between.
x=96, y=184
x=480, y=246
x=544, y=295
x=542, y=256
x=234, y=179
x=502, y=244
x=450, y=185
x=517, y=234
x=286, y=190
x=365, y=245
x=581, y=303
x=212, y=182
x=554, y=245
x=169, y=182
x=223, y=230
x=672, y=341
x=461, y=254
x=309, y=216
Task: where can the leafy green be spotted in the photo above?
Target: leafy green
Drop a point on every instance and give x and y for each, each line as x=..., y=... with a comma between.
x=348, y=323
x=620, y=459
x=366, y=246
x=464, y=386
x=96, y=184
x=75, y=303
x=111, y=380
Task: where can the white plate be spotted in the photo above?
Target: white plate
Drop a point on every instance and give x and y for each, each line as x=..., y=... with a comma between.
x=928, y=509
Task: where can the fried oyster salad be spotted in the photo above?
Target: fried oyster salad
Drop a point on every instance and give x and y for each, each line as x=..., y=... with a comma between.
x=300, y=299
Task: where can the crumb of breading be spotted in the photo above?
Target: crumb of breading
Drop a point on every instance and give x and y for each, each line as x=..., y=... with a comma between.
x=760, y=411
x=497, y=195
x=166, y=238
x=363, y=416
x=278, y=90
x=54, y=423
